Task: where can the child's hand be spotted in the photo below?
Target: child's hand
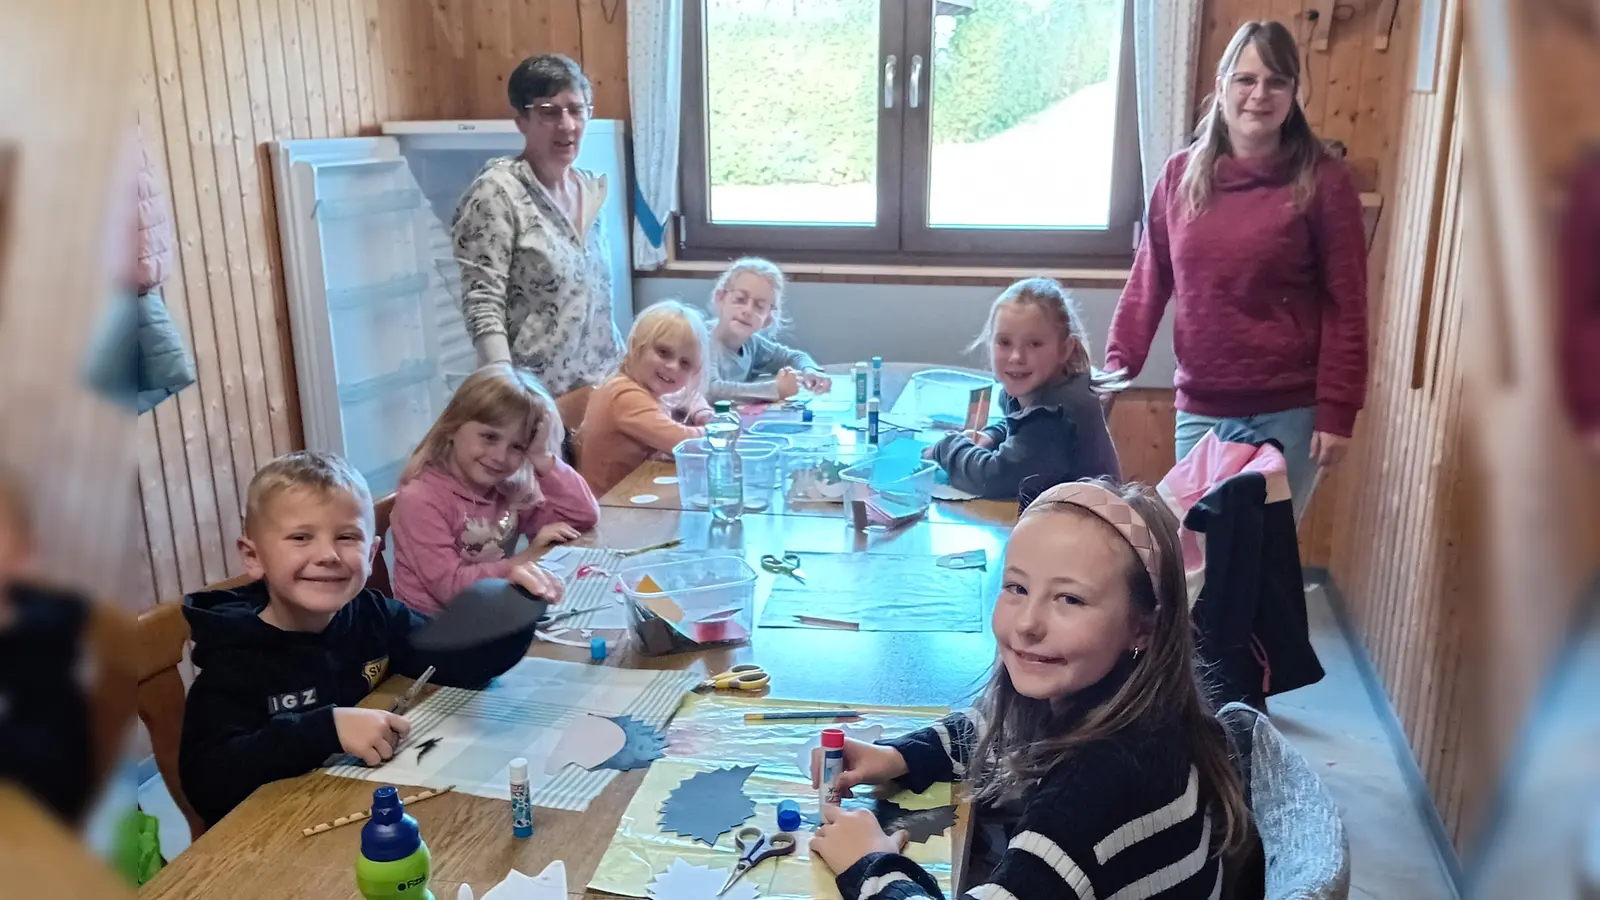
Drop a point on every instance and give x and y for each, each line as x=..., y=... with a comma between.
x=545, y=447
x=700, y=417
x=555, y=533
x=816, y=382
x=980, y=439
x=369, y=734
x=849, y=835
x=538, y=581
x=788, y=383
x=863, y=764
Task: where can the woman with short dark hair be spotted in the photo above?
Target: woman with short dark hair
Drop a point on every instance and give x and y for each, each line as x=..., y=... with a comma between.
x=535, y=287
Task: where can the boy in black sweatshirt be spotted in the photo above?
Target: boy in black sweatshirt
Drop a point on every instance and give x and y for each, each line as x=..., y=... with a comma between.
x=283, y=660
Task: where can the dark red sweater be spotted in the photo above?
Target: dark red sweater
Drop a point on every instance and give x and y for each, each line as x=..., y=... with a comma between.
x=1580, y=291
x=1272, y=301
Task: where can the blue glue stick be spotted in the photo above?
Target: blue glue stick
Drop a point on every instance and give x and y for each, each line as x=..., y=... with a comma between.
x=872, y=421
x=832, y=765
x=521, y=800
x=877, y=377
x=860, y=373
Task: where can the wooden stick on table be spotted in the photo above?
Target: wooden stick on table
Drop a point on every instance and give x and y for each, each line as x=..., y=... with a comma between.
x=365, y=813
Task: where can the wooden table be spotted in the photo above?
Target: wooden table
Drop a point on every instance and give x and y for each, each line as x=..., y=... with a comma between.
x=257, y=850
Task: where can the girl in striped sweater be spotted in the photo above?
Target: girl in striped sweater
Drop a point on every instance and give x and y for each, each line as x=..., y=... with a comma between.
x=1092, y=752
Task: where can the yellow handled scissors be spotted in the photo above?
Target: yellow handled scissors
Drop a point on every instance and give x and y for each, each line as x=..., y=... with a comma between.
x=787, y=564
x=744, y=677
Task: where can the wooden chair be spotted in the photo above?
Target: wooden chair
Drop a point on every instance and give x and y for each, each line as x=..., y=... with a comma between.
x=381, y=511
x=162, y=633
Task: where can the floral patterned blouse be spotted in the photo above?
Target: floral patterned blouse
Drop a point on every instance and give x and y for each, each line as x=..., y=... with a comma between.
x=528, y=275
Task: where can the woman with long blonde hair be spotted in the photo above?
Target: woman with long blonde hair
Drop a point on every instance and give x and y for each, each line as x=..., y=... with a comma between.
x=1256, y=233
x=487, y=473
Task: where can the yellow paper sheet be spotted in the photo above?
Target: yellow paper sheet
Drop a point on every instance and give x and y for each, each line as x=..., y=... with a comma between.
x=709, y=732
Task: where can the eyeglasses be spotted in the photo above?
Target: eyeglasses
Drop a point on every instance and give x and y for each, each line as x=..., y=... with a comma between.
x=550, y=113
x=1245, y=83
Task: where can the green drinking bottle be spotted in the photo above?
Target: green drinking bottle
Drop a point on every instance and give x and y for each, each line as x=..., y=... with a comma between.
x=394, y=862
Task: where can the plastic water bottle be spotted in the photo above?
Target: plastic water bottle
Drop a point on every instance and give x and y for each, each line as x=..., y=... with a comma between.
x=394, y=862
x=725, y=471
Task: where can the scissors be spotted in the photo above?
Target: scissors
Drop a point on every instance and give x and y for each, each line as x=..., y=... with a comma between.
x=743, y=677
x=755, y=846
x=787, y=564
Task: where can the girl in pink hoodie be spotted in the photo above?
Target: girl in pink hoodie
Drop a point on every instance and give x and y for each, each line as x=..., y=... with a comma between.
x=487, y=473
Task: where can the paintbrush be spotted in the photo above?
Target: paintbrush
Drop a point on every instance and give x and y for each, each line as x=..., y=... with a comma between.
x=365, y=813
x=664, y=545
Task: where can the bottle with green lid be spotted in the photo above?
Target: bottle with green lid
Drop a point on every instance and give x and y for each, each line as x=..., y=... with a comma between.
x=394, y=862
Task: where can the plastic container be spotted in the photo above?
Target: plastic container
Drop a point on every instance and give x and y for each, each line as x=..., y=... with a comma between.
x=712, y=599
x=894, y=491
x=759, y=457
x=816, y=475
x=799, y=435
x=942, y=395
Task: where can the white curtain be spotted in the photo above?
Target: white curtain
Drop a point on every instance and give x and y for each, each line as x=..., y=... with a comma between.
x=655, y=89
x=1166, y=47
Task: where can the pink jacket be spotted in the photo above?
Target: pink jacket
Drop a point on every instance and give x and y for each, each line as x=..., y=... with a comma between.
x=447, y=535
x=152, y=258
x=1211, y=462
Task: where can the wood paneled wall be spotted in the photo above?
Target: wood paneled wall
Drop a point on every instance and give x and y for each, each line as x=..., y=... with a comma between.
x=218, y=79
x=61, y=66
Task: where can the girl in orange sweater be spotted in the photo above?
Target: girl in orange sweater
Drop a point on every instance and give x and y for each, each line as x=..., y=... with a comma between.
x=655, y=400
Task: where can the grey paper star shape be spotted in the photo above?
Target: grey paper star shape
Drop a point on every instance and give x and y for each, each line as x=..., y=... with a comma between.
x=920, y=824
x=708, y=804
x=641, y=745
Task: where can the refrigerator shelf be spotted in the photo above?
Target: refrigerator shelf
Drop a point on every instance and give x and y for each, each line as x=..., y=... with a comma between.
x=411, y=372
x=368, y=294
x=371, y=205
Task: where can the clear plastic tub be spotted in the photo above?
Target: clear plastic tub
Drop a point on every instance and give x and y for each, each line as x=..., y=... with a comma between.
x=759, y=460
x=893, y=491
x=816, y=475
x=800, y=435
x=702, y=602
x=942, y=396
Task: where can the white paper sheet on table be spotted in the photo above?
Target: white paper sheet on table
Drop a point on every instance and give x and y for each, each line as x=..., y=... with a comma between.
x=524, y=713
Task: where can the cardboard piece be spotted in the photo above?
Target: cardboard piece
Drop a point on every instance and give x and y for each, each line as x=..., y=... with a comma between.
x=971, y=559
x=486, y=611
x=682, y=881
x=641, y=745
x=707, y=805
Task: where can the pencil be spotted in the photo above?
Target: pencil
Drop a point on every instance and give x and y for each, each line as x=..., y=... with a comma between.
x=362, y=815
x=664, y=545
x=802, y=714
x=829, y=623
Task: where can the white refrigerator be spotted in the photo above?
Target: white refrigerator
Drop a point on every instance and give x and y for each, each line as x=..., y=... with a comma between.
x=373, y=289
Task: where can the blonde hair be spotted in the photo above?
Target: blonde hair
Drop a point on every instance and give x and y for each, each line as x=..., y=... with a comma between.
x=326, y=474
x=1061, y=308
x=498, y=394
x=669, y=321
x=1281, y=54
x=1023, y=738
x=766, y=268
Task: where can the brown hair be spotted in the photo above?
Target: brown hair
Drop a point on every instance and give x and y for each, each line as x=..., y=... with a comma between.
x=1281, y=54
x=1057, y=303
x=498, y=394
x=324, y=473
x=1023, y=738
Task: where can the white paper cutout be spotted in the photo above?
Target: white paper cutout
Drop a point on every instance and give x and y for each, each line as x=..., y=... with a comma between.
x=682, y=881
x=643, y=499
x=551, y=884
x=588, y=741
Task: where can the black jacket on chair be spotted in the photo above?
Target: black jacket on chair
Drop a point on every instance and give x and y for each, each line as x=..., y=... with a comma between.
x=1250, y=619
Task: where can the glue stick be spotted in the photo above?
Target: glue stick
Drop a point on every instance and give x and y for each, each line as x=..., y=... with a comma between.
x=860, y=372
x=832, y=765
x=521, y=800
x=872, y=421
x=877, y=378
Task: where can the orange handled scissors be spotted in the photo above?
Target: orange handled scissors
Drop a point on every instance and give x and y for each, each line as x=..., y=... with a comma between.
x=744, y=677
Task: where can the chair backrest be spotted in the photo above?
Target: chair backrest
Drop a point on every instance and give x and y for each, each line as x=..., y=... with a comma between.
x=381, y=511
x=162, y=634
x=1302, y=837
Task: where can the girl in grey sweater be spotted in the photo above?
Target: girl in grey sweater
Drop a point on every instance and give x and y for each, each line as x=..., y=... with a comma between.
x=747, y=363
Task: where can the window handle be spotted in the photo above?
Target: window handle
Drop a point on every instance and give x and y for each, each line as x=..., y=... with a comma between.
x=888, y=82
x=913, y=88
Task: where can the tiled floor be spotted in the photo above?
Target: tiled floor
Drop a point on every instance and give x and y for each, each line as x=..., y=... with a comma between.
x=1332, y=722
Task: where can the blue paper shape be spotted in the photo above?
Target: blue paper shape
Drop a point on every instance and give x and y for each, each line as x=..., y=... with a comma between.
x=641, y=745
x=707, y=805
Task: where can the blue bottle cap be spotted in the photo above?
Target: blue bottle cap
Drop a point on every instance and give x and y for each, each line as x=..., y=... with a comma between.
x=788, y=816
x=806, y=414
x=597, y=648
x=390, y=834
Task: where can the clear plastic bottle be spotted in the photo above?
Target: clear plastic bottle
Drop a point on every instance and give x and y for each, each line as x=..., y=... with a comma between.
x=724, y=470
